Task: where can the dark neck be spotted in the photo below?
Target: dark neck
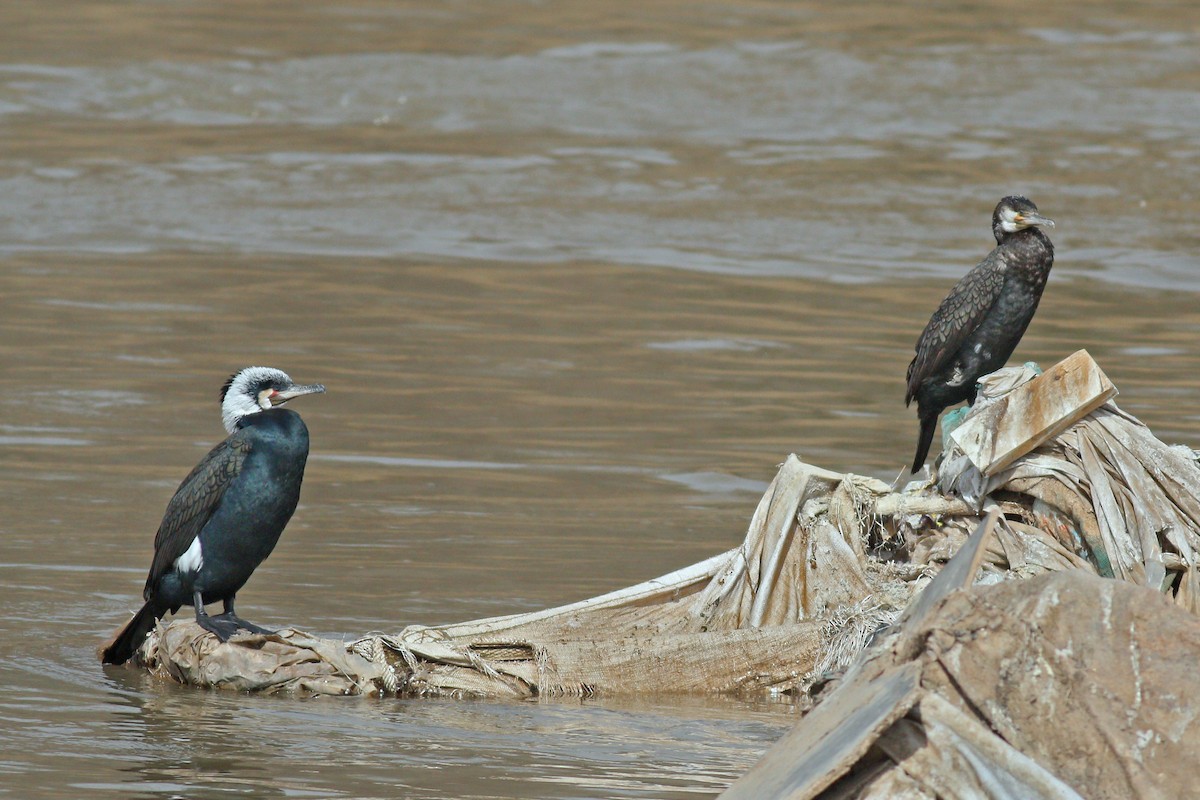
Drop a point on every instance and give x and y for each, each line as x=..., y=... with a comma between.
x=1029, y=235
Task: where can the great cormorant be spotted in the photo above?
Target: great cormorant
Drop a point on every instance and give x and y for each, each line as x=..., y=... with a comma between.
x=977, y=327
x=227, y=515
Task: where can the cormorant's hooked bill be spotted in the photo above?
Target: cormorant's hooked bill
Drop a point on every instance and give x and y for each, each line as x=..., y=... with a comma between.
x=229, y=512
x=978, y=325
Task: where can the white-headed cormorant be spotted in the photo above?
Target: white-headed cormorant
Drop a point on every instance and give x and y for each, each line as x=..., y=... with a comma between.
x=227, y=515
x=977, y=327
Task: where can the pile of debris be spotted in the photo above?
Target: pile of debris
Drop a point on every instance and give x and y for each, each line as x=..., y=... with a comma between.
x=978, y=677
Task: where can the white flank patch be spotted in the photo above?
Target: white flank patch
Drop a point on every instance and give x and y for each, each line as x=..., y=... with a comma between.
x=192, y=560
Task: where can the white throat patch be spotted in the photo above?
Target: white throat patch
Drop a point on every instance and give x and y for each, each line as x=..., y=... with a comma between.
x=1008, y=221
x=243, y=398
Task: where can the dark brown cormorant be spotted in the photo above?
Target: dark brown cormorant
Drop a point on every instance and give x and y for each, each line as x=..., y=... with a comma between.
x=227, y=515
x=978, y=325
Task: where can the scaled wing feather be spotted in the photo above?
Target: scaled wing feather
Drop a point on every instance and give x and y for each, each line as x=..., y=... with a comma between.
x=194, y=503
x=955, y=319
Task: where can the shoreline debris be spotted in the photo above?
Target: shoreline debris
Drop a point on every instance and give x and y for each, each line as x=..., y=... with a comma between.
x=828, y=559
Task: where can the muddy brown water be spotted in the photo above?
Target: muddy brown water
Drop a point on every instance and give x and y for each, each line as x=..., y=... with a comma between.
x=577, y=277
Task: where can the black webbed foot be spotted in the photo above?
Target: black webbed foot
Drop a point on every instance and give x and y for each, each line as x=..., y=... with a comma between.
x=219, y=626
x=246, y=626
x=225, y=625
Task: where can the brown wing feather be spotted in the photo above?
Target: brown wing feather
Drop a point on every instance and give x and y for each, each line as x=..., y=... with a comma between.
x=194, y=503
x=955, y=319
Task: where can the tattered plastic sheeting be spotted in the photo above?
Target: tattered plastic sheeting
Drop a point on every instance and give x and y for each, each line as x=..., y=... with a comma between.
x=289, y=661
x=828, y=559
x=1064, y=686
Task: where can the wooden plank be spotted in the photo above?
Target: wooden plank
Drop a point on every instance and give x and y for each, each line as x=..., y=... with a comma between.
x=996, y=435
x=825, y=744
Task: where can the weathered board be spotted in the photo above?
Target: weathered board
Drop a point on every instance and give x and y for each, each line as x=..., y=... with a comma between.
x=998, y=434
